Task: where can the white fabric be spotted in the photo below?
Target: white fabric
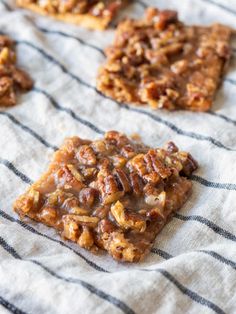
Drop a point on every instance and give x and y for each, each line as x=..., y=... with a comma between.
x=39, y=275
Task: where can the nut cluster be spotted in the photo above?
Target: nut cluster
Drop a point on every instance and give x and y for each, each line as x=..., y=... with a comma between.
x=11, y=77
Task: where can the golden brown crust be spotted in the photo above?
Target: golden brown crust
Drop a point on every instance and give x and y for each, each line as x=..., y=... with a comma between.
x=86, y=20
x=113, y=193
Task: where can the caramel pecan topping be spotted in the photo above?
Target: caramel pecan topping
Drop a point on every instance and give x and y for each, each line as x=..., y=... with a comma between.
x=97, y=197
x=12, y=79
x=160, y=61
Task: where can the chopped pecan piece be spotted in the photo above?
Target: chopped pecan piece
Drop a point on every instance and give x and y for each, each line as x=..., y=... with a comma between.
x=189, y=165
x=120, y=247
x=136, y=184
x=78, y=176
x=97, y=202
x=79, y=211
x=110, y=185
x=86, y=155
x=48, y=215
x=165, y=18
x=87, y=196
x=86, y=239
x=66, y=180
x=156, y=200
x=127, y=221
x=123, y=180
x=106, y=226
x=119, y=161
x=159, y=61
x=138, y=164
x=71, y=229
x=171, y=147
x=155, y=213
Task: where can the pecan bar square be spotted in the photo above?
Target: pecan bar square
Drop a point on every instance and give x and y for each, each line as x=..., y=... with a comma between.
x=12, y=79
x=164, y=63
x=93, y=14
x=114, y=193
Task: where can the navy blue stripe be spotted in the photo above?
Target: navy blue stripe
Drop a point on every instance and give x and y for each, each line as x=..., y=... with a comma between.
x=28, y=130
x=6, y=5
x=213, y=254
x=60, y=33
x=119, y=304
x=191, y=294
x=63, y=34
x=223, y=117
x=221, y=6
x=10, y=307
x=220, y=258
x=33, y=230
x=67, y=110
x=214, y=185
x=170, y=125
x=50, y=58
x=230, y=80
x=161, y=253
x=179, y=131
x=105, y=296
x=17, y=172
x=9, y=248
x=224, y=233
x=143, y=5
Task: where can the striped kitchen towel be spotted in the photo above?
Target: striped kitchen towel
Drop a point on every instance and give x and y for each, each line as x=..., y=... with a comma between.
x=192, y=267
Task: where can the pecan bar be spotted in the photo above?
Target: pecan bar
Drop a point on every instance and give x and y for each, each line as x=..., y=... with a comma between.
x=114, y=193
x=12, y=79
x=93, y=14
x=162, y=62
